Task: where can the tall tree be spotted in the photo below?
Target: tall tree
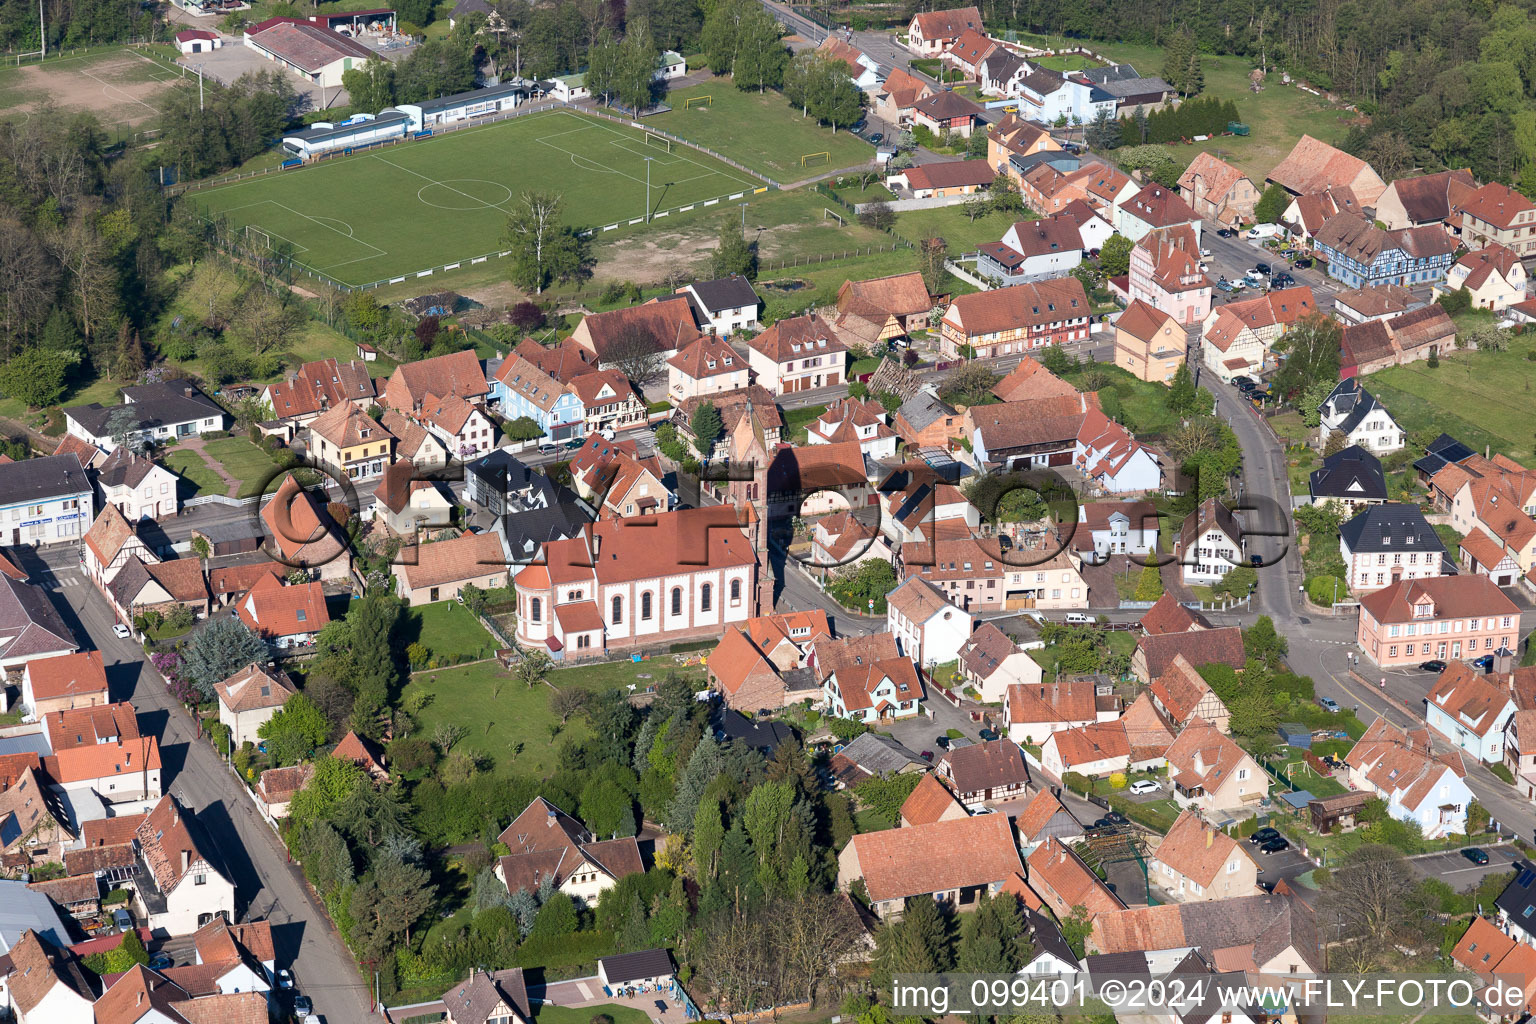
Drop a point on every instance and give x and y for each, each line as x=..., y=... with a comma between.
x=223, y=647
x=372, y=86
x=543, y=249
x=1271, y=205
x=635, y=72
x=377, y=673
x=760, y=52
x=707, y=427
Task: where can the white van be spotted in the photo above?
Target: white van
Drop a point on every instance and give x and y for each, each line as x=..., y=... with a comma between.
x=1078, y=618
x=1259, y=231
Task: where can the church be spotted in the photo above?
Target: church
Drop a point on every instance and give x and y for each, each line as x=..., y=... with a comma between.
x=654, y=579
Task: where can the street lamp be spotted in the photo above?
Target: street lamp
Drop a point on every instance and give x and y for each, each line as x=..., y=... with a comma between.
x=648, y=189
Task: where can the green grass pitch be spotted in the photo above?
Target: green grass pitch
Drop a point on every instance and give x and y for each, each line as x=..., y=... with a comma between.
x=399, y=210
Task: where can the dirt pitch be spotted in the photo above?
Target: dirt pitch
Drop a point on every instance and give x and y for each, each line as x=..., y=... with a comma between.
x=120, y=87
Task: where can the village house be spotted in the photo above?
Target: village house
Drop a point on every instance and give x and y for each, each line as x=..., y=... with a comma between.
x=1015, y=319
x=34, y=822
x=1378, y=302
x=319, y=386
x=1035, y=709
x=1149, y=342
x=611, y=403
x=1107, y=528
x=976, y=578
x=681, y=574
x=1236, y=339
x=1497, y=215
x=1313, y=166
x=303, y=533
x=1471, y=711
x=932, y=33
x=188, y=890
x=159, y=587
x=801, y=353
x=1012, y=136
x=1405, y=338
x=44, y=984
x=1094, y=750
x=489, y=997
x=63, y=683
x=927, y=627
x=852, y=419
x=284, y=615
x=1443, y=617
x=1497, y=958
x=276, y=788
x=248, y=700
x=863, y=70
x=984, y=772
x=706, y=367
x=926, y=421
x=99, y=756
x=968, y=51
x=1495, y=498
x=1181, y=694
x=463, y=429
x=842, y=538
x=766, y=662
x=1064, y=883
x=1165, y=273
x=990, y=663
x=1034, y=250
x=1167, y=615
x=1418, y=785
x=548, y=845
x=31, y=625
x=1360, y=254
x=1210, y=543
x=350, y=443
x=1424, y=201
x=1352, y=476
x=155, y=413
x=1197, y=861
x=1213, y=774
x=954, y=861
x=880, y=691
x=406, y=504
x=946, y=112
x=1047, y=97
x=1385, y=543
x=1493, y=276
x=46, y=500
x=898, y=94
x=427, y=573
x=456, y=375
x=414, y=442
x=1271, y=934
x=1044, y=818
x=898, y=303
x=137, y=486
x=726, y=305
x=521, y=389
x=1355, y=413
x=1217, y=191
x=1205, y=646
x=943, y=179
x=1154, y=207
x=929, y=802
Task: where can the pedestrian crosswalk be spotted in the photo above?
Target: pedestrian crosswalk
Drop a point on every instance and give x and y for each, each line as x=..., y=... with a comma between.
x=52, y=582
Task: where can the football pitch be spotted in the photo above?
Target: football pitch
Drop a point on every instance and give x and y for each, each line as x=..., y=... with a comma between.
x=400, y=210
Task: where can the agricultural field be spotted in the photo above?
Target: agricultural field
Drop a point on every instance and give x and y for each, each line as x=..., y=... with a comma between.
x=761, y=131
x=391, y=212
x=121, y=85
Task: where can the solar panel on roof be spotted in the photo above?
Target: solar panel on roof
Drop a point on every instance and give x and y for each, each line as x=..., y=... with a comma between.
x=1527, y=876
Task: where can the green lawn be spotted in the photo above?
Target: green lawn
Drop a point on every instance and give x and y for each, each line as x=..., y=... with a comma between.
x=546, y=1014
x=449, y=198
x=797, y=420
x=244, y=461
x=1278, y=116
x=1141, y=405
x=196, y=477
x=448, y=629
x=1067, y=62
x=761, y=131
x=1482, y=399
x=619, y=674
x=955, y=226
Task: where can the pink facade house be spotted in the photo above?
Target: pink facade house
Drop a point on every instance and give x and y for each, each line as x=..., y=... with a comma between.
x=1165, y=273
x=1455, y=617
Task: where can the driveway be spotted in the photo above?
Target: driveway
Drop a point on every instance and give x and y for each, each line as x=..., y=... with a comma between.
x=658, y=1006
x=1460, y=873
x=267, y=886
x=1286, y=864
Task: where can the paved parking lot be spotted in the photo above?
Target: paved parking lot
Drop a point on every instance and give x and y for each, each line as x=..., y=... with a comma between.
x=1286, y=864
x=233, y=59
x=1460, y=873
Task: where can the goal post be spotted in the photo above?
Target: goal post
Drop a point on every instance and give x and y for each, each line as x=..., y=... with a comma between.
x=658, y=140
x=827, y=213
x=256, y=236
x=812, y=159
x=701, y=102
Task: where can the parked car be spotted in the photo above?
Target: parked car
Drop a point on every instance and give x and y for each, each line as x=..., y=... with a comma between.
x=1115, y=818
x=285, y=979
x=942, y=742
x=1243, y=383
x=858, y=126
x=1302, y=262
x=1289, y=254
x=1205, y=254
x=159, y=962
x=1329, y=705
x=122, y=919
x=1224, y=285
x=1264, y=835
x=1257, y=561
x=1485, y=662
x=302, y=1005
x=1283, y=280
x=1262, y=268
x=877, y=138
x=1475, y=855
x=1225, y=232
x=988, y=735
x=574, y=443
x=1275, y=845
x=1103, y=823
x=1432, y=666
x=1260, y=231
x=121, y=631
x=1143, y=786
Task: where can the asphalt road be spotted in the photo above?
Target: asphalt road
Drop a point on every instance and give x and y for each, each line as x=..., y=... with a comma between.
x=267, y=886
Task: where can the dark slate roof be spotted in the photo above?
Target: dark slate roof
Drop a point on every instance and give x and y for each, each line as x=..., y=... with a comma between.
x=1351, y=398
x=242, y=528
x=1351, y=473
x=39, y=479
x=1386, y=528
x=162, y=404
x=459, y=99
x=29, y=621
x=473, y=1000
x=123, y=468
x=730, y=724
x=563, y=518
x=1048, y=937
x=725, y=293
x=1441, y=452
x=636, y=966
x=503, y=471
x=879, y=754
x=1110, y=73
x=923, y=409
x=1518, y=899
x=1123, y=87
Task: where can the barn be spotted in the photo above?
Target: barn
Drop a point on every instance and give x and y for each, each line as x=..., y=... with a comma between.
x=196, y=40
x=358, y=130
x=314, y=53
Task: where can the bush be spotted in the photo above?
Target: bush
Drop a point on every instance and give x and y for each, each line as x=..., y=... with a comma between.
x=1118, y=780
x=1321, y=590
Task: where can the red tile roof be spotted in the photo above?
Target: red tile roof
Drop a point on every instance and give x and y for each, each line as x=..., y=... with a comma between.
x=68, y=675
x=937, y=857
x=274, y=609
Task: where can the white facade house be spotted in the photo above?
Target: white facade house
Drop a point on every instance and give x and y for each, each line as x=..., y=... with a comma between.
x=137, y=486
x=44, y=501
x=1354, y=412
x=1117, y=528
x=879, y=692
x=928, y=629
x=150, y=412
x=1471, y=711
x=1210, y=543
x=1401, y=769
x=727, y=305
x=191, y=891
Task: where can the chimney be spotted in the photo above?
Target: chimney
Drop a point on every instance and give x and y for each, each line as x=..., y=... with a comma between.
x=186, y=860
x=175, y=813
x=187, y=392
x=1504, y=663
x=1210, y=836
